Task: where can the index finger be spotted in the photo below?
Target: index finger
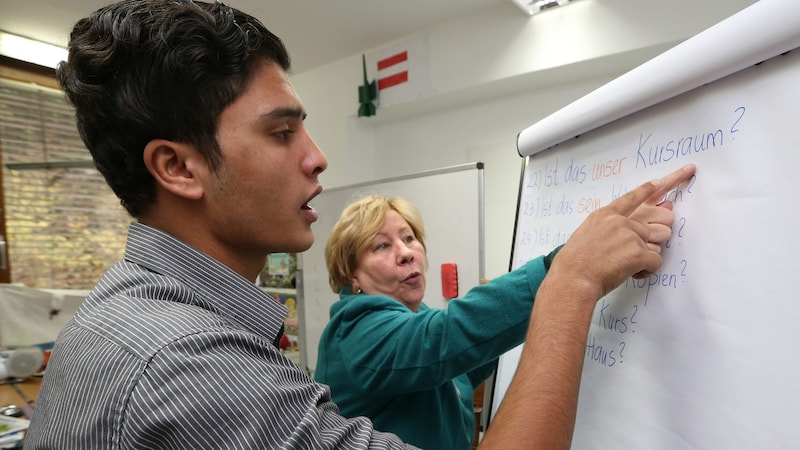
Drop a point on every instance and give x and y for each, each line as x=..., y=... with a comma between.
x=652, y=190
x=672, y=181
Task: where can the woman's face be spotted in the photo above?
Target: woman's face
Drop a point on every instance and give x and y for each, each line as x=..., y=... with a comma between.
x=394, y=264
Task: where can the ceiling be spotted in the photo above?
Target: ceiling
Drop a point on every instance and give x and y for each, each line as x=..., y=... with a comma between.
x=316, y=33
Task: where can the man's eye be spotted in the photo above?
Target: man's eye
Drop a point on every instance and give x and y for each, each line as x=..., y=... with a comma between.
x=284, y=135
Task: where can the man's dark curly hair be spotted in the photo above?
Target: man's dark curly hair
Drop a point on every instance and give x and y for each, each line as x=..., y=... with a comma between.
x=140, y=70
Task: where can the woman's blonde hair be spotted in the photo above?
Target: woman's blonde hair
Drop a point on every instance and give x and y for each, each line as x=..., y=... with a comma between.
x=359, y=223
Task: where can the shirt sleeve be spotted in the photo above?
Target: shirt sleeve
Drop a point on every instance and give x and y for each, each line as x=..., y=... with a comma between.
x=230, y=389
x=390, y=347
x=479, y=375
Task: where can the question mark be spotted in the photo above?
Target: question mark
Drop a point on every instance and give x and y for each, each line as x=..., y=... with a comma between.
x=692, y=179
x=621, y=349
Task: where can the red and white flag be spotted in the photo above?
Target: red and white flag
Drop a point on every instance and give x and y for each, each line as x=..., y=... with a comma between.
x=401, y=71
x=392, y=70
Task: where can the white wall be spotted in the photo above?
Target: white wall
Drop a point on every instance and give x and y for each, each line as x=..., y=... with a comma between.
x=492, y=75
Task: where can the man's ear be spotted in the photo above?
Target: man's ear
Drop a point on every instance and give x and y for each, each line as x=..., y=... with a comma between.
x=174, y=165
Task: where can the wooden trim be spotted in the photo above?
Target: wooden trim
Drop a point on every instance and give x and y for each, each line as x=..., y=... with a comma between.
x=24, y=72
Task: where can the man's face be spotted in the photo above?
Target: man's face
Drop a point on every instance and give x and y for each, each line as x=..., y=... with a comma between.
x=258, y=199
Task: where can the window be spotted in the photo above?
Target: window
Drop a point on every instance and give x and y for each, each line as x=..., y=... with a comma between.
x=65, y=226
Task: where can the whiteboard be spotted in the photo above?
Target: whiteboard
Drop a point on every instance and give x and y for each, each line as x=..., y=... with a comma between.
x=451, y=203
x=701, y=355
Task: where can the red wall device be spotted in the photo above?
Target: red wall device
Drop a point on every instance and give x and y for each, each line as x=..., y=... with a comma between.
x=449, y=280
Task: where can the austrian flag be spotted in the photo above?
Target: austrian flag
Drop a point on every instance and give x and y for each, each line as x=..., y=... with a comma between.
x=392, y=71
x=401, y=71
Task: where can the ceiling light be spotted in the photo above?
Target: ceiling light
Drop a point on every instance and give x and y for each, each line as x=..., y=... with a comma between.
x=532, y=7
x=36, y=52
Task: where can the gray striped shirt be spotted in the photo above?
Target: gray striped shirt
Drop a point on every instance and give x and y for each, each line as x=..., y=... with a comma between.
x=173, y=350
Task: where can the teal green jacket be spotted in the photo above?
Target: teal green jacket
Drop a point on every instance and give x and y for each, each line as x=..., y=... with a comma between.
x=414, y=374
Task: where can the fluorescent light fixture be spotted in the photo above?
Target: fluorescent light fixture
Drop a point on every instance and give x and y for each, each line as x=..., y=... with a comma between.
x=532, y=7
x=36, y=52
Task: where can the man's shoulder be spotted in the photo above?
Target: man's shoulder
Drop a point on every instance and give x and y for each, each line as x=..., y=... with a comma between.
x=144, y=314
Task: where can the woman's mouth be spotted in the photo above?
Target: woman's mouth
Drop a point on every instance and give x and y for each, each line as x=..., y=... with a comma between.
x=413, y=277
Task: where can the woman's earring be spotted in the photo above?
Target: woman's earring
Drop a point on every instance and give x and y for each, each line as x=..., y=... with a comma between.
x=356, y=290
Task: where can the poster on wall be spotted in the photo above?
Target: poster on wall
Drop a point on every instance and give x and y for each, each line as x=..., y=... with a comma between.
x=277, y=278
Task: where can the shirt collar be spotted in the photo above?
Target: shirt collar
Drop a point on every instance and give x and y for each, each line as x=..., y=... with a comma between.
x=217, y=286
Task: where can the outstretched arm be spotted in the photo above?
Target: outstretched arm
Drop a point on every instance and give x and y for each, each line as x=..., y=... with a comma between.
x=615, y=242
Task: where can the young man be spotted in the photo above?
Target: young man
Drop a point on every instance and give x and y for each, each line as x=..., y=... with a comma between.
x=189, y=114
